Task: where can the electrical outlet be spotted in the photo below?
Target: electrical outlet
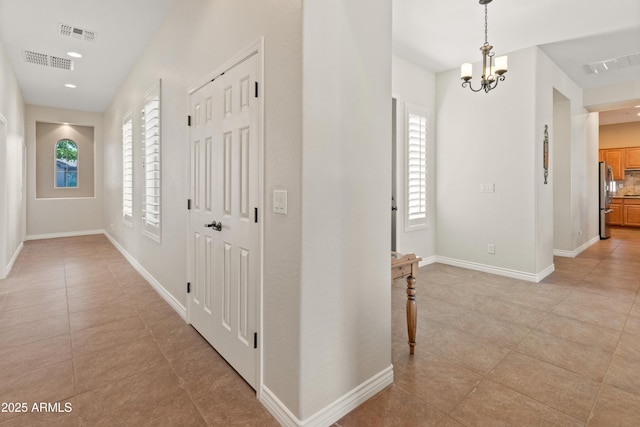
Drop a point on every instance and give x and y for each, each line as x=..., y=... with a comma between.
x=489, y=187
x=491, y=248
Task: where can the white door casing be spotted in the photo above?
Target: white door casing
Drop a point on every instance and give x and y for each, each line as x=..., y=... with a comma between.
x=224, y=233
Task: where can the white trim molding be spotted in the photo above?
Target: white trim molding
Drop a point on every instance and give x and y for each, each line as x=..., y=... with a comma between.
x=428, y=260
x=332, y=412
x=174, y=303
x=514, y=274
x=65, y=234
x=7, y=269
x=574, y=253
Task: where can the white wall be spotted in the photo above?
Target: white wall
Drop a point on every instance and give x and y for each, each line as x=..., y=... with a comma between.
x=59, y=217
x=498, y=138
x=12, y=200
x=560, y=171
x=197, y=37
x=416, y=86
x=346, y=186
x=578, y=155
x=612, y=96
x=487, y=138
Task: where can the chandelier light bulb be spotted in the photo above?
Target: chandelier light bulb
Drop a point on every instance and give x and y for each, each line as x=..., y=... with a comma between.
x=501, y=65
x=466, y=71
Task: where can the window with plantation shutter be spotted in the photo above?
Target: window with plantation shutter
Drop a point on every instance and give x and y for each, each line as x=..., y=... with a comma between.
x=127, y=170
x=151, y=155
x=416, y=168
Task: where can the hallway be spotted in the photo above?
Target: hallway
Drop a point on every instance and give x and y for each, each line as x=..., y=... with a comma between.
x=79, y=325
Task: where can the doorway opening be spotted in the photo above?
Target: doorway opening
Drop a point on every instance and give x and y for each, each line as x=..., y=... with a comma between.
x=561, y=173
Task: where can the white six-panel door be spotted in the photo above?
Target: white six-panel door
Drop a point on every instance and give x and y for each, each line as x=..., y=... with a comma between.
x=224, y=233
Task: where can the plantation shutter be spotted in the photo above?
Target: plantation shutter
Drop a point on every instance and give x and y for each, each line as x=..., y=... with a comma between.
x=152, y=164
x=127, y=170
x=416, y=168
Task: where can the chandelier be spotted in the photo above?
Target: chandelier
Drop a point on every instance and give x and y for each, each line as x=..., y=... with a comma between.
x=492, y=71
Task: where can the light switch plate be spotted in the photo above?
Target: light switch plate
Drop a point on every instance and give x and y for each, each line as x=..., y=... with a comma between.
x=280, y=202
x=487, y=187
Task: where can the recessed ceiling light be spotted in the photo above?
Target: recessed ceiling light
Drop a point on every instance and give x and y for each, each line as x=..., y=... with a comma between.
x=74, y=54
x=70, y=86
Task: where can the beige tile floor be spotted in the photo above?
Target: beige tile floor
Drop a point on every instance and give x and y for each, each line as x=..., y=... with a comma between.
x=494, y=351
x=79, y=326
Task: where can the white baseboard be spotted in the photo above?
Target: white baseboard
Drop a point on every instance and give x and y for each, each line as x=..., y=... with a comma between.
x=574, y=253
x=64, y=234
x=14, y=257
x=170, y=299
x=428, y=260
x=333, y=412
x=547, y=271
x=7, y=269
x=514, y=274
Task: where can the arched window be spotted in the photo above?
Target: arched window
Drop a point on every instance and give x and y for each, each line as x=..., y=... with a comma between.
x=66, y=164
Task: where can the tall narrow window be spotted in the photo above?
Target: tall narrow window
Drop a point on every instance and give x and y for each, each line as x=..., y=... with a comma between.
x=151, y=150
x=66, y=164
x=416, y=168
x=127, y=170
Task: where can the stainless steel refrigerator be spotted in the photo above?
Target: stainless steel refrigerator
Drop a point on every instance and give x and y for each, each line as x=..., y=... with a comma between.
x=606, y=187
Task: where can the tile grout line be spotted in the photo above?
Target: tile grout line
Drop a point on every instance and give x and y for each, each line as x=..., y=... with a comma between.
x=531, y=330
x=595, y=401
x=153, y=337
x=73, y=366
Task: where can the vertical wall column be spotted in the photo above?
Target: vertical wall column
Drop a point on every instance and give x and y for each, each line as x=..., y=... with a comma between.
x=346, y=188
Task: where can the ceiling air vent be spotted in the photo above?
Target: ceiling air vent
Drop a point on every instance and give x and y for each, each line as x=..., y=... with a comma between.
x=47, y=60
x=615, y=64
x=78, y=33
x=62, y=63
x=36, y=58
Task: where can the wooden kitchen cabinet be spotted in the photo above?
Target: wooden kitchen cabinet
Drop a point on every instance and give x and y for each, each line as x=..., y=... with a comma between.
x=615, y=158
x=615, y=216
x=631, y=212
x=624, y=211
x=632, y=158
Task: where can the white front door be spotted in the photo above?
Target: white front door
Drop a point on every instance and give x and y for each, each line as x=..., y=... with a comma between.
x=224, y=230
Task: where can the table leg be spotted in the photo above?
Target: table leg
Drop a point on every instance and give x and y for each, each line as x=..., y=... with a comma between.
x=412, y=312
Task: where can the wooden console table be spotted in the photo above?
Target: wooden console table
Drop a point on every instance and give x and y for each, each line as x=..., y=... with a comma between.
x=407, y=265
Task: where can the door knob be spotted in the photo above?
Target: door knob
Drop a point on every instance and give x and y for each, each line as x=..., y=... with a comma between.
x=215, y=225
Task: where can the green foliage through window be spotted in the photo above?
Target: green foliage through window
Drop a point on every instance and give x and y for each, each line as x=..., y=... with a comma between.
x=66, y=164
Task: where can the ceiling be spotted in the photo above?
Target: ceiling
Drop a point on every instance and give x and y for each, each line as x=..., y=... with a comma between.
x=441, y=35
x=122, y=29
x=438, y=35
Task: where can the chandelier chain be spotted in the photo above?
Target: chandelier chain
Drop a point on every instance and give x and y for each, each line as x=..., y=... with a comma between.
x=486, y=22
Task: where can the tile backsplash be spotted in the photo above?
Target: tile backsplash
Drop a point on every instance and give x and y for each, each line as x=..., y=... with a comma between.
x=631, y=183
